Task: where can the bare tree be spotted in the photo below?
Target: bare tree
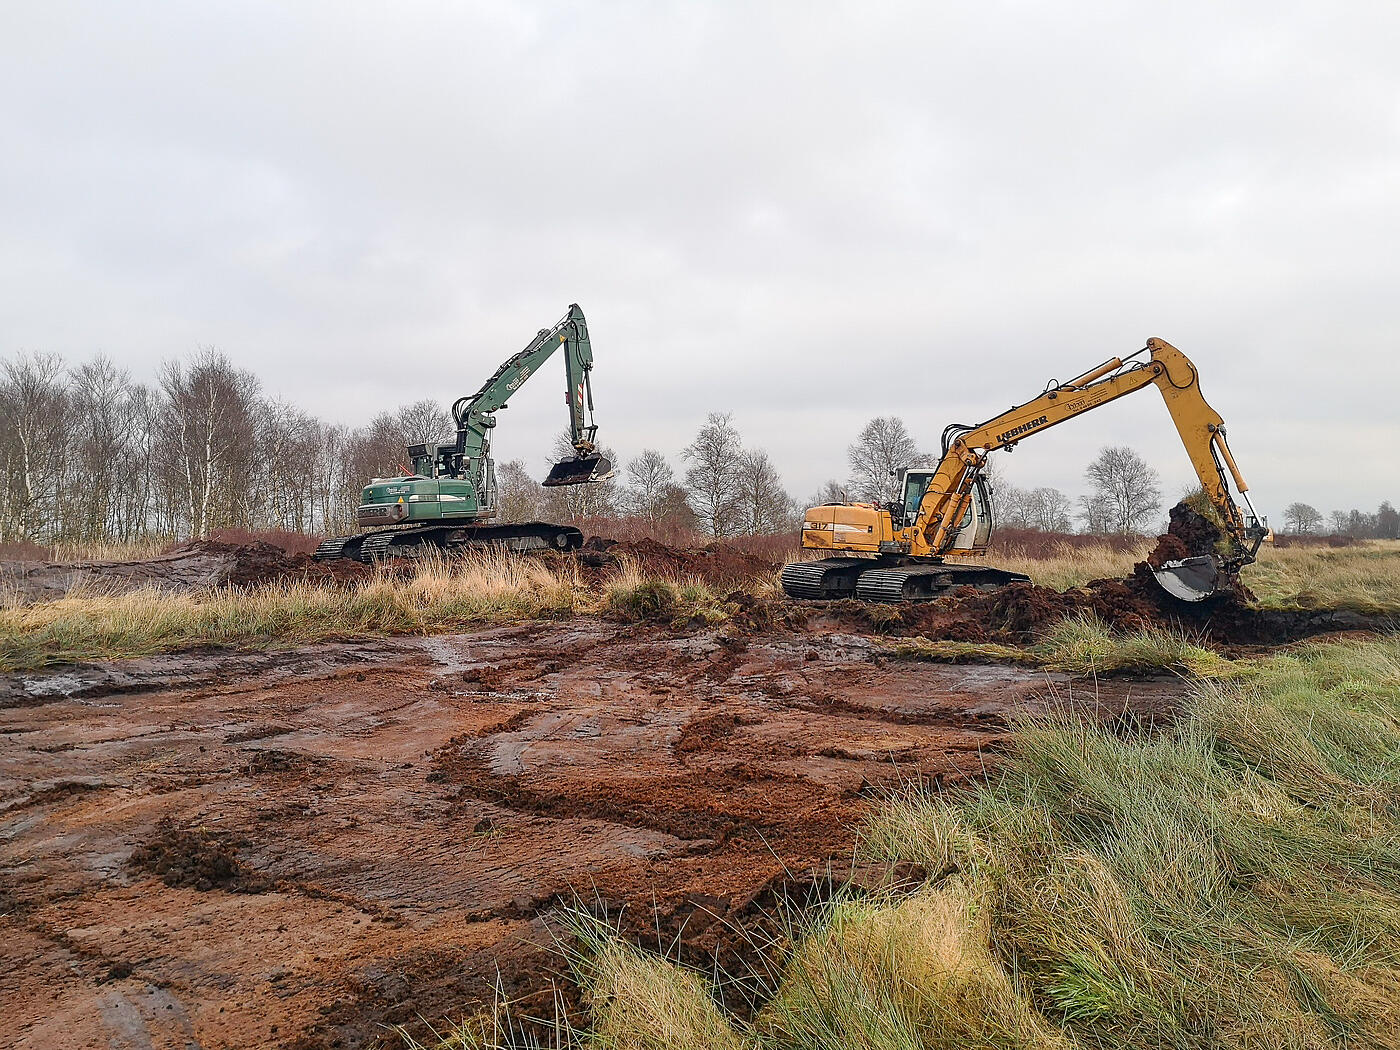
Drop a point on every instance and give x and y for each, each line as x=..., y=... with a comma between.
x=650, y=481
x=763, y=504
x=103, y=439
x=209, y=429
x=883, y=448
x=1301, y=518
x=425, y=422
x=1048, y=509
x=1125, y=492
x=715, y=458
x=33, y=429
x=831, y=492
x=519, y=497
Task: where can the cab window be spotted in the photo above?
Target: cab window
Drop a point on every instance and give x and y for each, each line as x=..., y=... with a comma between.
x=915, y=485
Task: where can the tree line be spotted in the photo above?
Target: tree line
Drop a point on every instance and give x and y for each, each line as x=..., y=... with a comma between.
x=89, y=454
x=1306, y=520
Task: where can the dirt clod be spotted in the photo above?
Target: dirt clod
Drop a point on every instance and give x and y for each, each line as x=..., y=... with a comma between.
x=196, y=858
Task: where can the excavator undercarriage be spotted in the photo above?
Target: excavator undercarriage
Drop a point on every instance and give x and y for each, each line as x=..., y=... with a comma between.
x=888, y=579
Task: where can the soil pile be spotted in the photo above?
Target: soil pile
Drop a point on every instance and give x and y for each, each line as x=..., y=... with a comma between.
x=252, y=564
x=716, y=565
x=198, y=859
x=1022, y=612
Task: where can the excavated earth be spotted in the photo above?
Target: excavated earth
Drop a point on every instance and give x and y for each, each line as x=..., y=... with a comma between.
x=295, y=848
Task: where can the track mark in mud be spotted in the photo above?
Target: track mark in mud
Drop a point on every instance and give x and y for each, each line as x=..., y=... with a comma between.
x=671, y=805
x=248, y=736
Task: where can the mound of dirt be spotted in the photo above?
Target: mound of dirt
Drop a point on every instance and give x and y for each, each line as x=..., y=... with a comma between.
x=251, y=564
x=716, y=565
x=1189, y=534
x=198, y=859
x=1022, y=612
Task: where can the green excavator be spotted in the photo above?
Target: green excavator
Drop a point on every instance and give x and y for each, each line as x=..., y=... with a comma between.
x=446, y=503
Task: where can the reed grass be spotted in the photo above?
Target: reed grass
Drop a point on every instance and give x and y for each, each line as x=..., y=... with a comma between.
x=1364, y=578
x=441, y=594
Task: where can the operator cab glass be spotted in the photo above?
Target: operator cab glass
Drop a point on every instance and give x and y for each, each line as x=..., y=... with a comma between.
x=915, y=485
x=422, y=461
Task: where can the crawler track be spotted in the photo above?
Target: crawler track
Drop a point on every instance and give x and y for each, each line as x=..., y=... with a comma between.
x=888, y=580
x=415, y=540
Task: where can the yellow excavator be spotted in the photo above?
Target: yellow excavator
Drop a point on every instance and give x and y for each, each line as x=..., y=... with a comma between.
x=897, y=552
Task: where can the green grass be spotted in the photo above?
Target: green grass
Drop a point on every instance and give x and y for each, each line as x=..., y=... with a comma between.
x=1083, y=644
x=1233, y=881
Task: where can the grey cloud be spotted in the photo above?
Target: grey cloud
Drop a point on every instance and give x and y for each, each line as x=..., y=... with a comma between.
x=806, y=213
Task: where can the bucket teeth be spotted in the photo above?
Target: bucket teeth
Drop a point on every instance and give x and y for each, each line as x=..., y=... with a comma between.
x=579, y=471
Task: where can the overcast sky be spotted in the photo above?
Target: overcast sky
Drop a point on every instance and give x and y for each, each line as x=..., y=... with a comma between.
x=807, y=214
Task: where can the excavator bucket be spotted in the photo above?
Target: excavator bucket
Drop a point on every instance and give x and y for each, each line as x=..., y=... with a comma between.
x=579, y=471
x=1190, y=579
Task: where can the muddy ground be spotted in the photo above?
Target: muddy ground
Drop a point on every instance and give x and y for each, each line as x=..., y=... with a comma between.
x=294, y=849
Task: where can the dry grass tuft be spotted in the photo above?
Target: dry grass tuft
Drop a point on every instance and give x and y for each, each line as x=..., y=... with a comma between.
x=1364, y=578
x=913, y=973
x=1068, y=566
x=442, y=594
x=641, y=1001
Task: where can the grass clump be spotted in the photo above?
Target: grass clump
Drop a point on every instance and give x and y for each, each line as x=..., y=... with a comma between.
x=911, y=973
x=1232, y=882
x=634, y=596
x=1085, y=643
x=442, y=594
x=640, y=1001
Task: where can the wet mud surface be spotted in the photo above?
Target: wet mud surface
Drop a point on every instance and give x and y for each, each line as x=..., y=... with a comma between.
x=294, y=849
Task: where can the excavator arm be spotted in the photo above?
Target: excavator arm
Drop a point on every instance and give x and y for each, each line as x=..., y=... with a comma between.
x=476, y=415
x=1202, y=431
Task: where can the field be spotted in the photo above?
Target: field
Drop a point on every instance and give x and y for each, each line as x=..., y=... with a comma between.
x=636, y=798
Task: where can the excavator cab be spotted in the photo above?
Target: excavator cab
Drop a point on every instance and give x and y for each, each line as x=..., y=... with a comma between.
x=974, y=530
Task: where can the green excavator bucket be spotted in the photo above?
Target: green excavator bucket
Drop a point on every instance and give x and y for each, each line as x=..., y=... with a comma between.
x=580, y=470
